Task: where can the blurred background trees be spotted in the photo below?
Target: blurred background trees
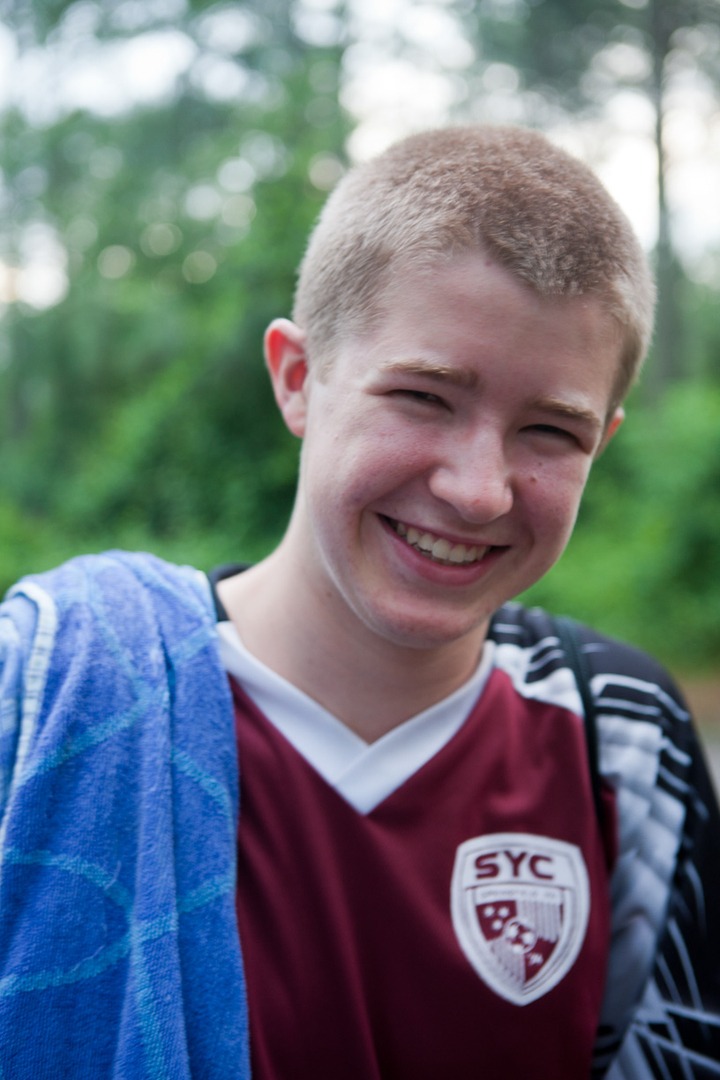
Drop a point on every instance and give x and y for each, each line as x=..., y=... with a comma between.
x=161, y=162
x=135, y=408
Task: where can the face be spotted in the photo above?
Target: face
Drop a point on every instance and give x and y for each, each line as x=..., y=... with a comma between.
x=445, y=451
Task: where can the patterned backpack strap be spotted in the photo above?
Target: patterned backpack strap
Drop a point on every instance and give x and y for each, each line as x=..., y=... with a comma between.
x=566, y=630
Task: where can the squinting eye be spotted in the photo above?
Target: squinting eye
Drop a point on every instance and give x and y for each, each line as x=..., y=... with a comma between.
x=556, y=432
x=421, y=395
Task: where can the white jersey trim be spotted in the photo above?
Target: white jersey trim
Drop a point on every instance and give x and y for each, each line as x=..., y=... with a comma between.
x=364, y=774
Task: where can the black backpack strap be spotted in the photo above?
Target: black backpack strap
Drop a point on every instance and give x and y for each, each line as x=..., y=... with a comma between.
x=566, y=630
x=217, y=574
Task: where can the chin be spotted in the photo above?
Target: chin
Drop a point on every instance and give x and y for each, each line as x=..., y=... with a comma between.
x=411, y=631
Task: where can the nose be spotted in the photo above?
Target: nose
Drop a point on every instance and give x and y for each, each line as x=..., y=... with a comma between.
x=474, y=477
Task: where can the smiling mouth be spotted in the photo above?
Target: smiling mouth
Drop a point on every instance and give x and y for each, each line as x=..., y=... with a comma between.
x=437, y=548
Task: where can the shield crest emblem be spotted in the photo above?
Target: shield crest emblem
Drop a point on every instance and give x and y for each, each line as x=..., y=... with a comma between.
x=520, y=906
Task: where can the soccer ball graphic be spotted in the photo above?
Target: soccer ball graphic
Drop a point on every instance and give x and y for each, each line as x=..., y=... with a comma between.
x=520, y=937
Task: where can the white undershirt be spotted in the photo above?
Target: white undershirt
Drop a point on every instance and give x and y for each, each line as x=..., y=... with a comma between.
x=363, y=773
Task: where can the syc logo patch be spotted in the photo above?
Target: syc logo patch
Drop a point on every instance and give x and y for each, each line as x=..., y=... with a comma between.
x=520, y=906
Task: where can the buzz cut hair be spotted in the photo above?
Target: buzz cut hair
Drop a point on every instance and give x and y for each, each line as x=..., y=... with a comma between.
x=506, y=192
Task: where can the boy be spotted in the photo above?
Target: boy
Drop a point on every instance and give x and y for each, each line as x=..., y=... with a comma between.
x=425, y=885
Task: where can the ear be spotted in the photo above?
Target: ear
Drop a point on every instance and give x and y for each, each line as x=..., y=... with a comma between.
x=287, y=364
x=612, y=425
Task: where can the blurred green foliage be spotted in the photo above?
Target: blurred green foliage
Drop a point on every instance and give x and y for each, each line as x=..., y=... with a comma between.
x=136, y=411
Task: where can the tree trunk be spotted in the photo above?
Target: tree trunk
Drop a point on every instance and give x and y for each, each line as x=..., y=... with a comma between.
x=667, y=359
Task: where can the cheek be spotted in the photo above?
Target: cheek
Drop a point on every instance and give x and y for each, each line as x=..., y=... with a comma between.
x=370, y=459
x=341, y=475
x=553, y=499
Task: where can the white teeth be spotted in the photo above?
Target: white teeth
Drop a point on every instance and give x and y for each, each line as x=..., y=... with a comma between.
x=439, y=549
x=461, y=554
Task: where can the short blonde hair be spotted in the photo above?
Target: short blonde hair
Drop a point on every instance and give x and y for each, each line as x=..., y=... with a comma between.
x=510, y=192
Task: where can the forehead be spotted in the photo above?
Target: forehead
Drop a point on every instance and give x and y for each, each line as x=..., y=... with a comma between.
x=465, y=315
x=472, y=285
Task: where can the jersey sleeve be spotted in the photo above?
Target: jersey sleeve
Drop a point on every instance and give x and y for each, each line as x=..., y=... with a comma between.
x=661, y=1016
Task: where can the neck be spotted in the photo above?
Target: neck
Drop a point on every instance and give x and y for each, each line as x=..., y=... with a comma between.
x=368, y=683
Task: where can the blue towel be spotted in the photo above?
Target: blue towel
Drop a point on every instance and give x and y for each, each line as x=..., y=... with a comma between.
x=119, y=951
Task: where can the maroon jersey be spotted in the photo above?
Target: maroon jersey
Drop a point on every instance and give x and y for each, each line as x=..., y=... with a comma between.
x=460, y=928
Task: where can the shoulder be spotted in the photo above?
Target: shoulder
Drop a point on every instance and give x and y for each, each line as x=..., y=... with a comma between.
x=646, y=740
x=647, y=751
x=132, y=592
x=117, y=607
x=527, y=641
x=664, y=951
x=113, y=572
x=535, y=629
x=97, y=628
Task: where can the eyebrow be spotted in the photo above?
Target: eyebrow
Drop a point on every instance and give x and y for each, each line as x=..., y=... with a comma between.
x=466, y=378
x=568, y=411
